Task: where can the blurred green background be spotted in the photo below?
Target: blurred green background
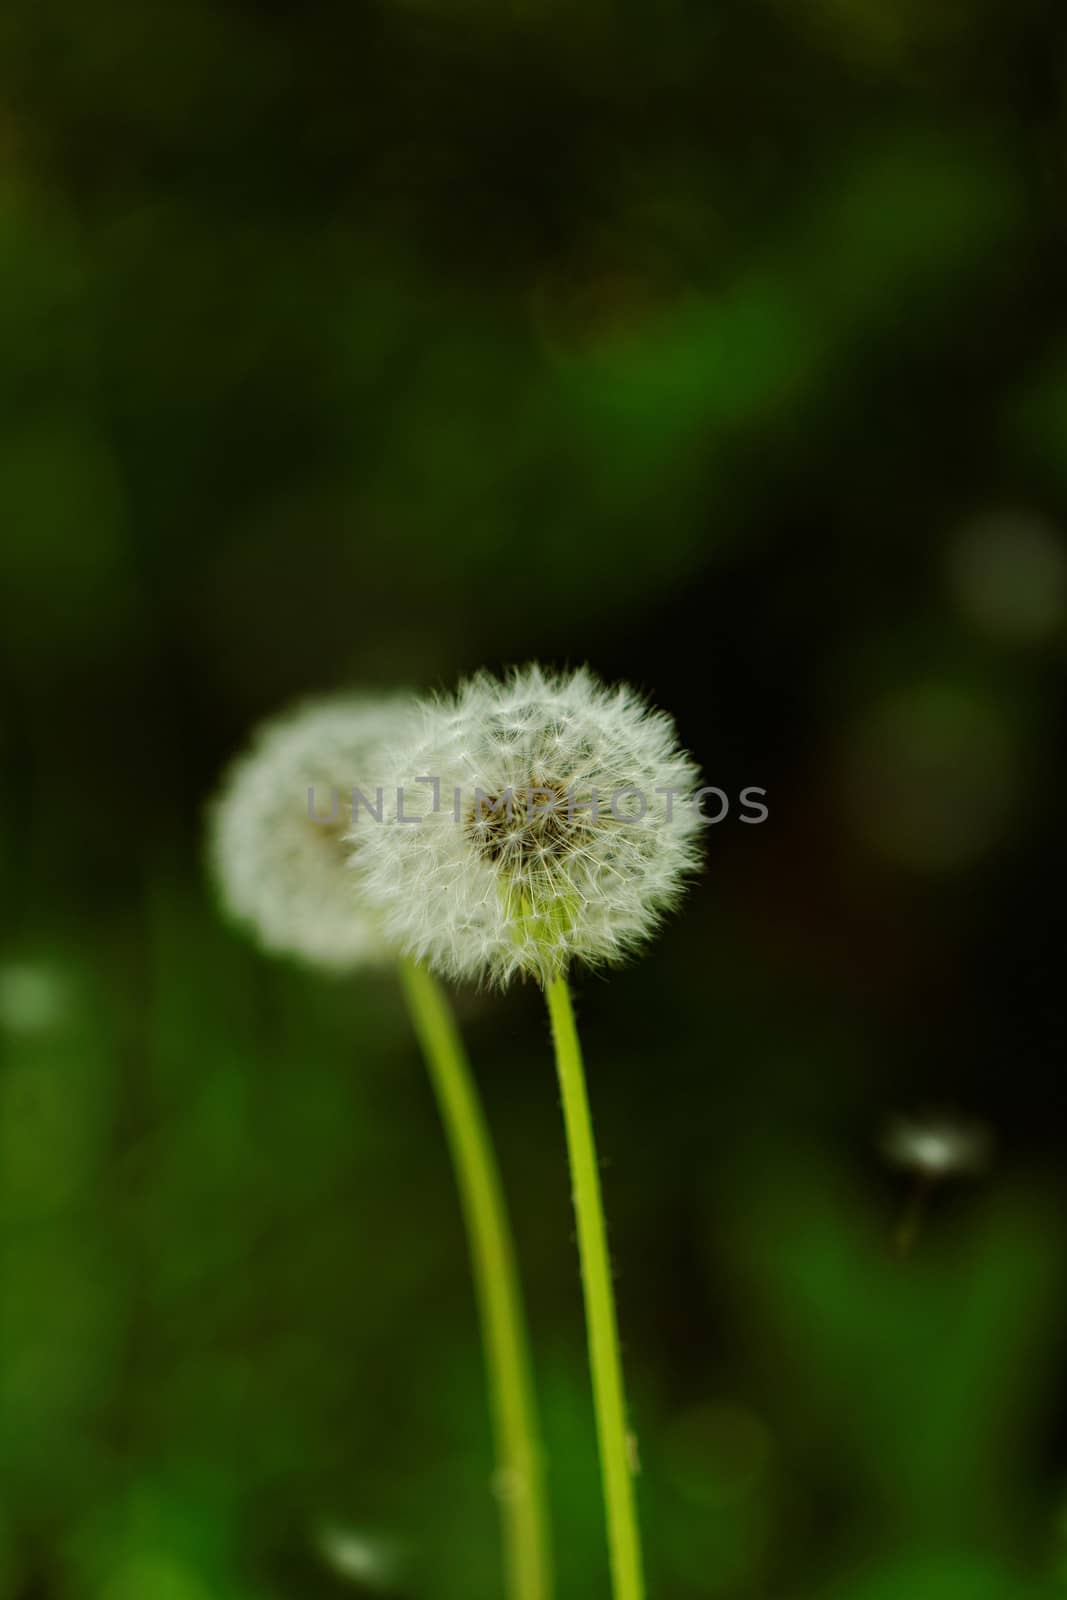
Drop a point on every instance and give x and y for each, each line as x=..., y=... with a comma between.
x=722, y=347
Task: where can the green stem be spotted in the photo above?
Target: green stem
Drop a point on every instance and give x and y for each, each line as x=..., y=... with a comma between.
x=604, y=1358
x=518, y=1455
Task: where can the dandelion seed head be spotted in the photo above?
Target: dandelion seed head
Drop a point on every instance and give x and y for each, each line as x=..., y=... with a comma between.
x=938, y=1147
x=34, y=997
x=359, y=1557
x=555, y=839
x=281, y=871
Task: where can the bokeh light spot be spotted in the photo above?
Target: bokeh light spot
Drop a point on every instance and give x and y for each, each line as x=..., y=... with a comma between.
x=1008, y=575
x=932, y=776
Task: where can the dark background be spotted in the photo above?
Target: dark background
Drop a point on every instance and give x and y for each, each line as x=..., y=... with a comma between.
x=721, y=347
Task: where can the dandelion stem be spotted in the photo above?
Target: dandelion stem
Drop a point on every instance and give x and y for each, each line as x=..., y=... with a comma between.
x=518, y=1455
x=907, y=1230
x=604, y=1358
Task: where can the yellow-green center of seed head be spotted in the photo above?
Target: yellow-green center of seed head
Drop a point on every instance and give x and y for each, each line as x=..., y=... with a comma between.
x=331, y=830
x=527, y=834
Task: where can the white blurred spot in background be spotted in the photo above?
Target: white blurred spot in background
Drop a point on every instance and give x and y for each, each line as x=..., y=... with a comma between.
x=34, y=997
x=1007, y=571
x=357, y=1556
x=938, y=1147
x=933, y=1150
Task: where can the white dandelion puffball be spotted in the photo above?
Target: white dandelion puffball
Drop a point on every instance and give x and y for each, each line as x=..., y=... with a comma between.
x=532, y=822
x=280, y=830
x=938, y=1147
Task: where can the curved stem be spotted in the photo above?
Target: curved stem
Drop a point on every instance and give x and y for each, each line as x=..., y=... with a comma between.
x=520, y=1485
x=604, y=1358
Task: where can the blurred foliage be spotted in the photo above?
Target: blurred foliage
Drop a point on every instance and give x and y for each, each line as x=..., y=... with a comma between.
x=722, y=347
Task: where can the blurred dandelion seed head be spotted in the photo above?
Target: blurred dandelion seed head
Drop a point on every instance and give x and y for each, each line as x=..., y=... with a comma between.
x=34, y=997
x=357, y=1556
x=281, y=831
x=543, y=861
x=938, y=1147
